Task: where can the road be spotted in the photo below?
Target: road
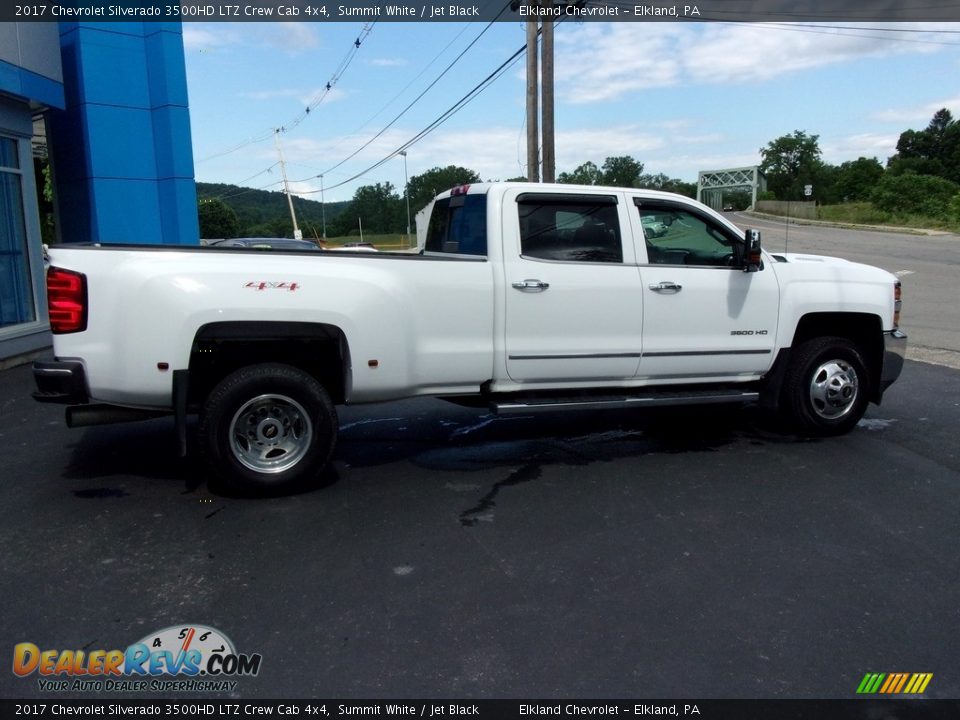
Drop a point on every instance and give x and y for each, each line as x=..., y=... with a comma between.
x=453, y=554
x=928, y=266
x=450, y=553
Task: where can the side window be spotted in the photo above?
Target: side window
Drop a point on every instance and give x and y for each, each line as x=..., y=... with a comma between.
x=458, y=225
x=570, y=228
x=677, y=236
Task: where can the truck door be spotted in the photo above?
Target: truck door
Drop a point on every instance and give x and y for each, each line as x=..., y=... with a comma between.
x=703, y=316
x=573, y=306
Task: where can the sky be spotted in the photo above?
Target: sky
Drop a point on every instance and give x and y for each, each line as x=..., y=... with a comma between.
x=678, y=97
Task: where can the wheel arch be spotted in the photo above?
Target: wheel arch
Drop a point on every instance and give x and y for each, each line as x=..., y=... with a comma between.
x=221, y=348
x=864, y=330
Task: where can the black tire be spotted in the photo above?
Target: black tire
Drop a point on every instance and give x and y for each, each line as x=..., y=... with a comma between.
x=267, y=428
x=826, y=388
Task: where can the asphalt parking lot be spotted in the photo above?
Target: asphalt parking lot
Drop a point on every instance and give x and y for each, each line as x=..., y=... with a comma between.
x=452, y=554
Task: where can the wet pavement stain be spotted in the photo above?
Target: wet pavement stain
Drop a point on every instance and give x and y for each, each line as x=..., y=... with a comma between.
x=469, y=518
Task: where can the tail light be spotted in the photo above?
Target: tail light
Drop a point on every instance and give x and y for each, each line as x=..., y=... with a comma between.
x=67, y=300
x=897, y=303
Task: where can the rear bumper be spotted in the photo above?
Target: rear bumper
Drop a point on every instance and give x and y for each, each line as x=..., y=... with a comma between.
x=894, y=352
x=60, y=382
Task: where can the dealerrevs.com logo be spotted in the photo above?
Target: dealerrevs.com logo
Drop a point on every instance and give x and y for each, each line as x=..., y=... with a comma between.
x=178, y=658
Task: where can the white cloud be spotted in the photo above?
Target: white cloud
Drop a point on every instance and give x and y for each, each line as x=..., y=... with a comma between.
x=686, y=166
x=201, y=40
x=600, y=62
x=291, y=37
x=868, y=145
x=499, y=153
x=387, y=62
x=918, y=113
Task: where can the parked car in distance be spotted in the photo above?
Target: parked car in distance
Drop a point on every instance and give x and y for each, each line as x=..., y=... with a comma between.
x=728, y=208
x=653, y=228
x=265, y=243
x=355, y=246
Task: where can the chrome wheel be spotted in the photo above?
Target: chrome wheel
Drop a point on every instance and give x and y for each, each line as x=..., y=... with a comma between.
x=270, y=433
x=834, y=387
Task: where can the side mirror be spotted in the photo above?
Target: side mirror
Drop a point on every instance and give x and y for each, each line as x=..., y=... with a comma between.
x=752, y=258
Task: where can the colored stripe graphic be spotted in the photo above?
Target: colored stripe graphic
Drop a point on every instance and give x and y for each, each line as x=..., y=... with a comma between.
x=894, y=683
x=870, y=683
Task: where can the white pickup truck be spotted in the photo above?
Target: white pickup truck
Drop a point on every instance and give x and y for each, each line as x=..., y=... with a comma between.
x=524, y=298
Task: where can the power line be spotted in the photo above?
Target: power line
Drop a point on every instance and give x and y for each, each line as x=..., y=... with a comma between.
x=442, y=118
x=416, y=99
x=414, y=79
x=319, y=98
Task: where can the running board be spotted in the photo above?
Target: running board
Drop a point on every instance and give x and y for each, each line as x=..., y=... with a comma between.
x=654, y=399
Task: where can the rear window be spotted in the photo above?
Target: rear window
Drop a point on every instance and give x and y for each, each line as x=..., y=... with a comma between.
x=570, y=228
x=458, y=225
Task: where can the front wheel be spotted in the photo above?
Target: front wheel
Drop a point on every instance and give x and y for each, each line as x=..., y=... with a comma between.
x=827, y=387
x=267, y=428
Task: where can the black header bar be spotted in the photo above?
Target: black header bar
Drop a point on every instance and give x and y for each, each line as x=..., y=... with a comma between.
x=824, y=11
x=188, y=706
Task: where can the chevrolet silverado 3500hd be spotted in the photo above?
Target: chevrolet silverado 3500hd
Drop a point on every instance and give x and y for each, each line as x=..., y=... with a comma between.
x=523, y=297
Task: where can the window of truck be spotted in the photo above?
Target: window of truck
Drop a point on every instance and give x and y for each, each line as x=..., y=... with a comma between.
x=458, y=225
x=570, y=228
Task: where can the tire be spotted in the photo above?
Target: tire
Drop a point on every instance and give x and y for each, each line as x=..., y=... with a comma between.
x=267, y=428
x=826, y=388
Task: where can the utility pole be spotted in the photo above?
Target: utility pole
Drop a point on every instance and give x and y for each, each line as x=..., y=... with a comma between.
x=546, y=56
x=542, y=84
x=533, y=134
x=286, y=186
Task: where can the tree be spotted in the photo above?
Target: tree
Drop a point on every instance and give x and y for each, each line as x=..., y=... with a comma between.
x=667, y=184
x=621, y=171
x=790, y=162
x=216, y=219
x=856, y=179
x=424, y=187
x=586, y=174
x=378, y=207
x=932, y=151
x=914, y=194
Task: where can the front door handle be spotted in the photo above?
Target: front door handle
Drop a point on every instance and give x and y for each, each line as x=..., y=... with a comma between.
x=531, y=285
x=668, y=287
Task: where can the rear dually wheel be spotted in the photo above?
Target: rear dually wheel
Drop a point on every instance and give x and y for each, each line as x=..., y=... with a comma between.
x=267, y=428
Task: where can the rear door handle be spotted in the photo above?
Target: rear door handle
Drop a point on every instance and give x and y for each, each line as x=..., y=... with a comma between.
x=531, y=285
x=668, y=287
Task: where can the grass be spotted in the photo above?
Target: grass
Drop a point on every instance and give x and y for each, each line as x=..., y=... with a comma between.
x=864, y=213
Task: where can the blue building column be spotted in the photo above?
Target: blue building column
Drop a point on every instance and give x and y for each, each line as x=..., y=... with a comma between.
x=122, y=156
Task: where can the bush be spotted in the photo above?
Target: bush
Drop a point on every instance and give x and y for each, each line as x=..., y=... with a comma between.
x=914, y=195
x=955, y=207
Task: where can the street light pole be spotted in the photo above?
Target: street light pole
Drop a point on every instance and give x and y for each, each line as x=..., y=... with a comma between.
x=406, y=191
x=323, y=209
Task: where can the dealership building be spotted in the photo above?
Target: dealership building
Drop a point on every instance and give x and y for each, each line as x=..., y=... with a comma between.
x=95, y=131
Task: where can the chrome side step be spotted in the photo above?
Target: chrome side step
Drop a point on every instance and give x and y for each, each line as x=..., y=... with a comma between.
x=654, y=399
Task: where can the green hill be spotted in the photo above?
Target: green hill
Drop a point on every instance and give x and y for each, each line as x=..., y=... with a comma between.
x=264, y=213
